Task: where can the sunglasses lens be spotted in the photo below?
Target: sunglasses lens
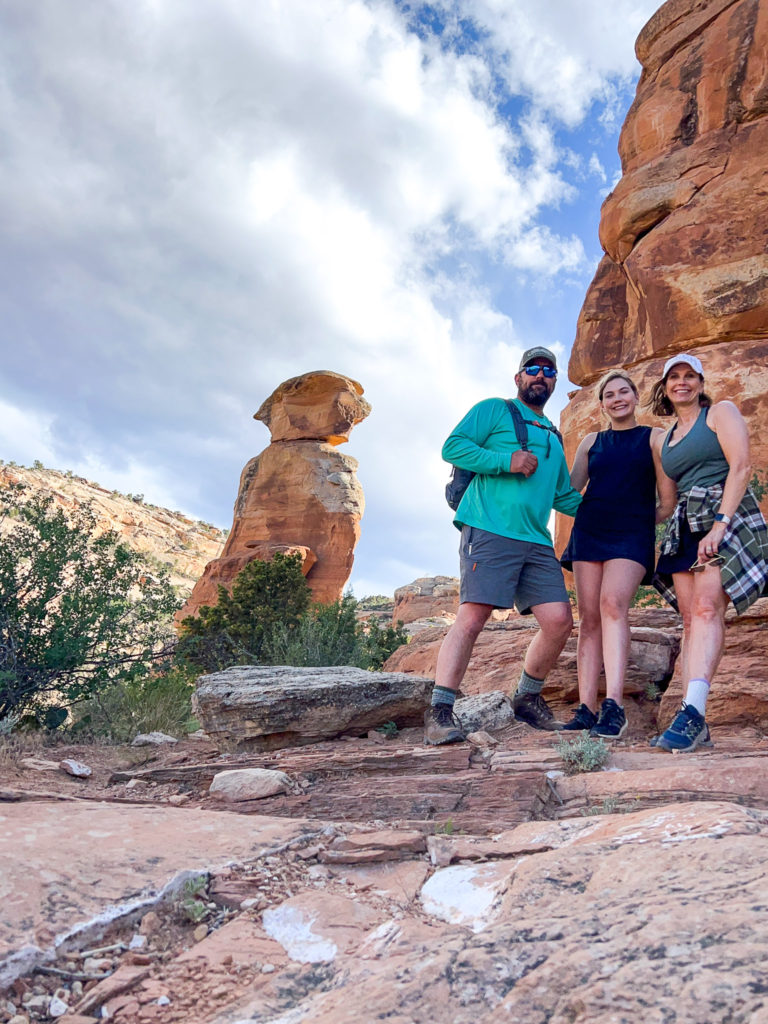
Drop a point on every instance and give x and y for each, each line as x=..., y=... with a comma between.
x=701, y=566
x=534, y=371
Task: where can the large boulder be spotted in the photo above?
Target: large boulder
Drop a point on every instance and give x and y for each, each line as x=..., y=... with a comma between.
x=264, y=708
x=300, y=495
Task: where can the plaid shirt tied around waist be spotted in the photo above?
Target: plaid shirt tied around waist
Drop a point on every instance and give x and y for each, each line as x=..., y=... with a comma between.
x=745, y=544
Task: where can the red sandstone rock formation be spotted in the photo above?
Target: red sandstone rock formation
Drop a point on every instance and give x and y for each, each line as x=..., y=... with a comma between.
x=425, y=598
x=685, y=231
x=299, y=494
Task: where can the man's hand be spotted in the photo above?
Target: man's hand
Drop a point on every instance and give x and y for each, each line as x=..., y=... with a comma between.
x=523, y=462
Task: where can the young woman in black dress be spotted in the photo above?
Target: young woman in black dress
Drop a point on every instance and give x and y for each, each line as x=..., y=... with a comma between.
x=611, y=550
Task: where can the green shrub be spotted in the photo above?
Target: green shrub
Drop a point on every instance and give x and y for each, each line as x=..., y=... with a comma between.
x=79, y=612
x=380, y=642
x=583, y=754
x=374, y=601
x=326, y=634
x=159, y=703
x=330, y=634
x=268, y=619
x=236, y=630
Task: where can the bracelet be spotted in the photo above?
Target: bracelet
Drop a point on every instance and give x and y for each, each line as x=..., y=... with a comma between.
x=721, y=517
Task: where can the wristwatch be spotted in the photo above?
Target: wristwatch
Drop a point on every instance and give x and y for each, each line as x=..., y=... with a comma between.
x=721, y=517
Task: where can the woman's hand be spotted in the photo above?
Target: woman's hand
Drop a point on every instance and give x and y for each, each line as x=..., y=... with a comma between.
x=710, y=543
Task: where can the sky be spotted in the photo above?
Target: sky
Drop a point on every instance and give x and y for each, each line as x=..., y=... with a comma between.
x=200, y=199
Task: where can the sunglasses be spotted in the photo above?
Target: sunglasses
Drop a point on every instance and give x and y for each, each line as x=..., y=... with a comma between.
x=534, y=371
x=701, y=566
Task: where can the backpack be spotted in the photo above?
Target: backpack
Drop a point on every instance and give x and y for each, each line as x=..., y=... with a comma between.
x=461, y=478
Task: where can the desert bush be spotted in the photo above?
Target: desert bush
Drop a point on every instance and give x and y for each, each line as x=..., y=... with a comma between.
x=381, y=641
x=583, y=754
x=372, y=602
x=326, y=634
x=79, y=612
x=268, y=619
x=158, y=703
x=236, y=630
x=330, y=634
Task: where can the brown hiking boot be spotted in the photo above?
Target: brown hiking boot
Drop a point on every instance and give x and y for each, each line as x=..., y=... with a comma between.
x=532, y=709
x=442, y=726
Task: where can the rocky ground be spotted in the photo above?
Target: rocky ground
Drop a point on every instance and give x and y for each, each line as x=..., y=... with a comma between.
x=392, y=881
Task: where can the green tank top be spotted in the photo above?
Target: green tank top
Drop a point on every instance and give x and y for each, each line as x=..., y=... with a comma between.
x=697, y=458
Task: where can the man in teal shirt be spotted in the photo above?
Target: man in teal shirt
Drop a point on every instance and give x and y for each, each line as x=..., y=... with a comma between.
x=506, y=549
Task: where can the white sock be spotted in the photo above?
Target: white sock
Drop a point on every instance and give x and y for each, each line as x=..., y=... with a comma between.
x=696, y=694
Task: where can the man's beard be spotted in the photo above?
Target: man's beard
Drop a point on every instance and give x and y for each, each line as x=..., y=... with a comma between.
x=533, y=394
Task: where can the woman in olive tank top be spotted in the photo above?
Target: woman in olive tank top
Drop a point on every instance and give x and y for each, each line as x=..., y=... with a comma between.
x=611, y=549
x=715, y=546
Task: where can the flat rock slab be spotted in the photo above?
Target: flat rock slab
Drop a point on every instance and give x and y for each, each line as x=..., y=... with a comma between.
x=64, y=867
x=265, y=708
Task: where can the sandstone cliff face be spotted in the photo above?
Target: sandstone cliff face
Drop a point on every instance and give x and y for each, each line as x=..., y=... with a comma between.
x=183, y=545
x=685, y=231
x=300, y=494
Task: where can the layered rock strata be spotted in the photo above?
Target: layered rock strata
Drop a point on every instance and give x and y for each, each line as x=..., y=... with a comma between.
x=300, y=495
x=685, y=231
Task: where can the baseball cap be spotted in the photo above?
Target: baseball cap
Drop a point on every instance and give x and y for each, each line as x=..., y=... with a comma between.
x=538, y=352
x=692, y=361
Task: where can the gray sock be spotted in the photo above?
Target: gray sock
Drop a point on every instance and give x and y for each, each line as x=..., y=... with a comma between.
x=442, y=695
x=528, y=684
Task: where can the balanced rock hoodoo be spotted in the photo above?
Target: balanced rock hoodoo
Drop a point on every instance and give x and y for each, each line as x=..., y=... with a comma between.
x=300, y=495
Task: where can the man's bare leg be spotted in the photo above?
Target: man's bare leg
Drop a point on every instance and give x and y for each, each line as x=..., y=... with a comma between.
x=456, y=649
x=555, y=624
x=452, y=661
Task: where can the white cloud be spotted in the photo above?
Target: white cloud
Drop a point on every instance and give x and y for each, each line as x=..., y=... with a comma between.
x=25, y=434
x=560, y=54
x=200, y=201
x=596, y=167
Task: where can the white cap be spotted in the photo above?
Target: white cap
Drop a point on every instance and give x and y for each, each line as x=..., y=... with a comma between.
x=692, y=361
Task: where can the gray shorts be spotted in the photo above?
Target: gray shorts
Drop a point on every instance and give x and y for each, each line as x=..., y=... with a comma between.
x=508, y=573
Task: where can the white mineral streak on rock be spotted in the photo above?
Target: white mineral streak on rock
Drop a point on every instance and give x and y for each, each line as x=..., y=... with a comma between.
x=466, y=894
x=292, y=928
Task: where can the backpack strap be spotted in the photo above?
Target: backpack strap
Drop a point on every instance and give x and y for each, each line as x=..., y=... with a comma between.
x=521, y=426
x=521, y=429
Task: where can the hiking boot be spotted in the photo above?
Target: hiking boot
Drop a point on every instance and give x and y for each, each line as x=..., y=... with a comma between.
x=688, y=731
x=532, y=709
x=442, y=726
x=612, y=722
x=582, y=720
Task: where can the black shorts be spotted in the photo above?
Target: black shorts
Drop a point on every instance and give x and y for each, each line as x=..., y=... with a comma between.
x=687, y=552
x=507, y=573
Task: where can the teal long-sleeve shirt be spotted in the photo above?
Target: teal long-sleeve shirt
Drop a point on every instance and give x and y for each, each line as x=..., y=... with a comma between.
x=496, y=500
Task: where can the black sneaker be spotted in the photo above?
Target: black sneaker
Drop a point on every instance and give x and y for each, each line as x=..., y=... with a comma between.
x=612, y=722
x=442, y=726
x=688, y=731
x=532, y=709
x=582, y=719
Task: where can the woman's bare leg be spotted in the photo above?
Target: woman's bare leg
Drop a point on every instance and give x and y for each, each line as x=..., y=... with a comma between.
x=621, y=578
x=589, y=657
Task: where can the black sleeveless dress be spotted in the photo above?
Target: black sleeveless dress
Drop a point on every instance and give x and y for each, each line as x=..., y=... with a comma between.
x=616, y=518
